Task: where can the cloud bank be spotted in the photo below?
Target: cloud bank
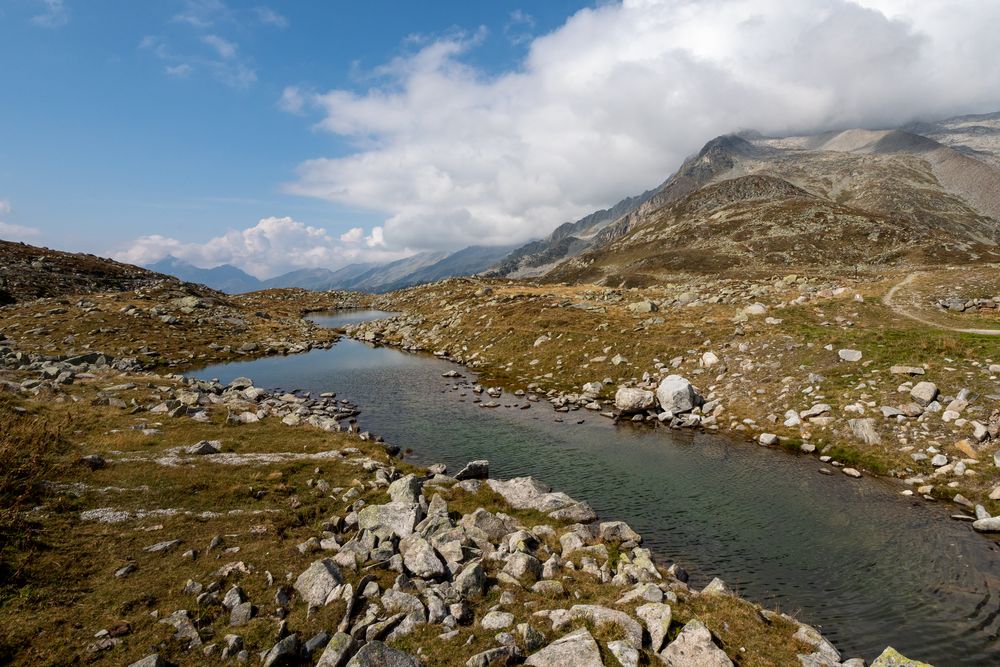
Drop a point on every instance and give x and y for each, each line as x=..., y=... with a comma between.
x=271, y=247
x=612, y=101
x=12, y=232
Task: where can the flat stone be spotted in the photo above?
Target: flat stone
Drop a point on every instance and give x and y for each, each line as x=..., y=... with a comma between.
x=906, y=370
x=991, y=525
x=602, y=616
x=849, y=355
x=497, y=620
x=577, y=649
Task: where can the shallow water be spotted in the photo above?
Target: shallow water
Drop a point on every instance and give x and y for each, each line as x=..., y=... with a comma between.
x=867, y=566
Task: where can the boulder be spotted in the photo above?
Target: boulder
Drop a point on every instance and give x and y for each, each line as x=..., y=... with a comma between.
x=890, y=657
x=471, y=581
x=694, y=646
x=656, y=617
x=474, y=470
x=577, y=648
x=285, y=652
x=602, y=616
x=497, y=620
x=153, y=660
x=523, y=567
x=338, y=650
x=397, y=519
x=420, y=558
x=625, y=653
x=406, y=489
x=630, y=400
x=618, y=531
x=318, y=581
x=676, y=395
x=377, y=654
x=924, y=393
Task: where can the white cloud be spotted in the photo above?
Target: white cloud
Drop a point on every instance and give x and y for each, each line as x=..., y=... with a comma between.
x=178, y=71
x=4, y=207
x=222, y=59
x=201, y=13
x=268, y=16
x=225, y=48
x=9, y=232
x=273, y=246
x=292, y=100
x=612, y=101
x=54, y=14
x=352, y=235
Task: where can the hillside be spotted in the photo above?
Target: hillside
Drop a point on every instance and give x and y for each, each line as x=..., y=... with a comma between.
x=29, y=272
x=838, y=199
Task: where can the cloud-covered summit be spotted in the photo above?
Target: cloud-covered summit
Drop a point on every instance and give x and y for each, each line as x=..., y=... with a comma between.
x=610, y=103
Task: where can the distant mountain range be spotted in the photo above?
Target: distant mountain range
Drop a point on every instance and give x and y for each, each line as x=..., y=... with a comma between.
x=420, y=268
x=923, y=193
x=225, y=278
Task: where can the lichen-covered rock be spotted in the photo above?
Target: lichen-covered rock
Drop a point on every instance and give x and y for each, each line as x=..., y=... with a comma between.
x=892, y=658
x=318, y=581
x=694, y=646
x=377, y=654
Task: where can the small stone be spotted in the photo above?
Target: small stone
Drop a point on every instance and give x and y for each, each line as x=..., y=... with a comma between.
x=849, y=355
x=497, y=620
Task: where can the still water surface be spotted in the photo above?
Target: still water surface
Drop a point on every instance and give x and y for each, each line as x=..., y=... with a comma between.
x=852, y=557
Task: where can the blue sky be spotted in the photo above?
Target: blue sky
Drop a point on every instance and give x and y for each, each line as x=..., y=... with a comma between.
x=100, y=143
x=276, y=136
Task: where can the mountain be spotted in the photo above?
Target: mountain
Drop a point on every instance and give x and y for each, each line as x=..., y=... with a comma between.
x=29, y=272
x=897, y=196
x=571, y=239
x=568, y=239
x=466, y=262
x=381, y=278
x=225, y=278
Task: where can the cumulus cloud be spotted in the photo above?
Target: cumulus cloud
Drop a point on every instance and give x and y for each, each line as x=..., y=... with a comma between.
x=612, y=101
x=54, y=14
x=273, y=246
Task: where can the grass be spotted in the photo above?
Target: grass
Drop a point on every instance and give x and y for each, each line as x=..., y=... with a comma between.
x=29, y=446
x=67, y=592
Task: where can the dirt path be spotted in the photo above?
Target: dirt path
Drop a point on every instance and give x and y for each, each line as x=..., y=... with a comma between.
x=887, y=300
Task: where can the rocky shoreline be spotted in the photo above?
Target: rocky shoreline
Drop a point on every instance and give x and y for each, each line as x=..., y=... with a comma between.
x=549, y=582
x=918, y=418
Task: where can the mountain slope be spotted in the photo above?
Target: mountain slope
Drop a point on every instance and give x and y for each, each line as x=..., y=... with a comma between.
x=381, y=278
x=225, y=278
x=840, y=198
x=29, y=272
x=466, y=262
